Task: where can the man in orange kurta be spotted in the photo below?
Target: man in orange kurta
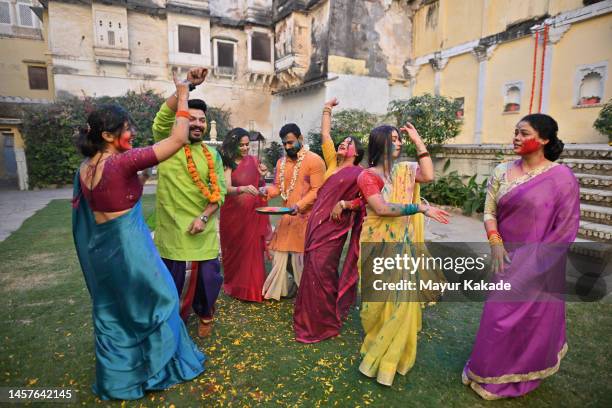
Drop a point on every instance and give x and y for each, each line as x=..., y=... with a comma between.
x=298, y=177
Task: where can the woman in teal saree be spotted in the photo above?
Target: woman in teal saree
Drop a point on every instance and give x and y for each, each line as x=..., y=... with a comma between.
x=141, y=343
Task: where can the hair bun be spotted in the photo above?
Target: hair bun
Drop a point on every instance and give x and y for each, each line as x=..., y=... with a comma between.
x=553, y=149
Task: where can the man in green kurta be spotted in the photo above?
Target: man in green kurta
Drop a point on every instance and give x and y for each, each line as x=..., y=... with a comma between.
x=187, y=209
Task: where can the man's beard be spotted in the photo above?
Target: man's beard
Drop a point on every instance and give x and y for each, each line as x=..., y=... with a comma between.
x=293, y=151
x=195, y=139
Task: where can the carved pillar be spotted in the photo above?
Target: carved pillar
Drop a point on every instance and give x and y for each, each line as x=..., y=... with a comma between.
x=482, y=54
x=437, y=64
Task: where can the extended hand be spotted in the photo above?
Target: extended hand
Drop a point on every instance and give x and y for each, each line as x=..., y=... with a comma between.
x=437, y=214
x=197, y=75
x=263, y=169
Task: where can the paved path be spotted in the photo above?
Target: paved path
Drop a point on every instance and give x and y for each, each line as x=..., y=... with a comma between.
x=460, y=229
x=18, y=206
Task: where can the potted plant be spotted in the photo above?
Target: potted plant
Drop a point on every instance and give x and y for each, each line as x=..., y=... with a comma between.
x=512, y=107
x=590, y=100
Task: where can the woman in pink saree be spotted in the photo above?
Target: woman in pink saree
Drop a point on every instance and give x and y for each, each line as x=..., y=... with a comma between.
x=243, y=231
x=532, y=213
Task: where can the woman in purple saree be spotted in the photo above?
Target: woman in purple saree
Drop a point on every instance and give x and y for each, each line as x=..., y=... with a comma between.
x=532, y=211
x=324, y=297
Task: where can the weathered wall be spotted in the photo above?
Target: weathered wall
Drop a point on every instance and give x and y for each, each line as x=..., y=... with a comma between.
x=460, y=80
x=20, y=47
x=370, y=38
x=17, y=54
x=303, y=108
x=248, y=101
x=301, y=43
x=153, y=50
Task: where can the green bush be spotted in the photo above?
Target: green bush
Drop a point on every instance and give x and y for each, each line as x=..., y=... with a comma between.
x=271, y=155
x=449, y=189
x=435, y=117
x=604, y=121
x=49, y=131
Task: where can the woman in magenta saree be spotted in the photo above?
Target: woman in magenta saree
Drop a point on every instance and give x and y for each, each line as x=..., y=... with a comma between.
x=324, y=297
x=243, y=231
x=532, y=211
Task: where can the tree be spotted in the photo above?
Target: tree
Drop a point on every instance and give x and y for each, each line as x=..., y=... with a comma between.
x=435, y=117
x=272, y=153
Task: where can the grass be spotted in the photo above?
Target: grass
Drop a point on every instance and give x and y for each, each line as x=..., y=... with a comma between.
x=253, y=360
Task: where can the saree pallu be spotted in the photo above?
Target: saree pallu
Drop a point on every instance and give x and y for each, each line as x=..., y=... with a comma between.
x=391, y=325
x=324, y=298
x=141, y=343
x=521, y=338
x=243, y=236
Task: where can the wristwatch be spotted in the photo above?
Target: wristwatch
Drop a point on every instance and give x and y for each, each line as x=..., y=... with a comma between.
x=204, y=218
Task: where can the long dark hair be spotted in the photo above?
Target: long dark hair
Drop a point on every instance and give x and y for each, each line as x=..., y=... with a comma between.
x=547, y=129
x=358, y=149
x=107, y=118
x=229, y=148
x=380, y=146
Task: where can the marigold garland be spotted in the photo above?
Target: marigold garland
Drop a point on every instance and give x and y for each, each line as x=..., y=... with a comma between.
x=215, y=196
x=286, y=193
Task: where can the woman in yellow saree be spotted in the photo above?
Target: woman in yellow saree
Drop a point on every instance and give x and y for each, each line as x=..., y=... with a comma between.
x=393, y=225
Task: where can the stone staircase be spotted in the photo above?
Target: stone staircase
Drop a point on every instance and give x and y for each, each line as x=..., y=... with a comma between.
x=592, y=165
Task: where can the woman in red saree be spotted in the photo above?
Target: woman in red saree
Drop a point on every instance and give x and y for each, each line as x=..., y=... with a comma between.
x=243, y=231
x=324, y=297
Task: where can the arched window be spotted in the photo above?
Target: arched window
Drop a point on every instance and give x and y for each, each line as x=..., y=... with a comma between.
x=512, y=96
x=590, y=89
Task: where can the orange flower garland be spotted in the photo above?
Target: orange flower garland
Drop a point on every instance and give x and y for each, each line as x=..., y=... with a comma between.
x=215, y=196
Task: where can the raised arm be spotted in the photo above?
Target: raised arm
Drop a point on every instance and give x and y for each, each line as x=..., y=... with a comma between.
x=426, y=173
x=180, y=131
x=195, y=76
x=327, y=144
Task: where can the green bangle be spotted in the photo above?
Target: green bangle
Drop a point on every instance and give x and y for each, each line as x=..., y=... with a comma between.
x=410, y=209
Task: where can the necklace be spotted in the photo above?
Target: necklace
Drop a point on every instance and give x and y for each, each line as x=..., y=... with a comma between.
x=215, y=195
x=286, y=193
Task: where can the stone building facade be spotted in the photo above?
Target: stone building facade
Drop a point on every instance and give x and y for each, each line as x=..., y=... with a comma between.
x=271, y=62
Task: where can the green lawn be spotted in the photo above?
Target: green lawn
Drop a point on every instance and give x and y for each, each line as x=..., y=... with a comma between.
x=253, y=360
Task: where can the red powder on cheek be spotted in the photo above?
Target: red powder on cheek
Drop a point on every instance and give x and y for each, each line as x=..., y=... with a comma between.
x=529, y=146
x=122, y=143
x=351, y=152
